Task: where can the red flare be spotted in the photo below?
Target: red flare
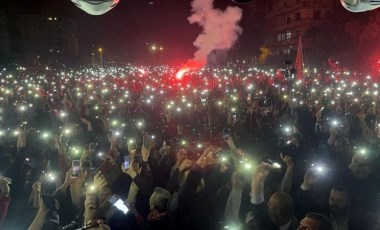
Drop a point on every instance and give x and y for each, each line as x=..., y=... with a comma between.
x=190, y=65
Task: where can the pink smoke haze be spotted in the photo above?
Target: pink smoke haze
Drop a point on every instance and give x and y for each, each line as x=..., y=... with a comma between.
x=220, y=32
x=220, y=28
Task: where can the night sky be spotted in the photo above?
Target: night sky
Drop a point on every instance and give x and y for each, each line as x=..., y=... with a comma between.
x=125, y=30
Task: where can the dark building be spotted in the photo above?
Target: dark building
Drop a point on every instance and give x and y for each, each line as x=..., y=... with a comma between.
x=47, y=39
x=34, y=39
x=287, y=20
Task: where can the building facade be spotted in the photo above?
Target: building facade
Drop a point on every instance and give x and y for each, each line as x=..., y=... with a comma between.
x=287, y=20
x=34, y=39
x=47, y=38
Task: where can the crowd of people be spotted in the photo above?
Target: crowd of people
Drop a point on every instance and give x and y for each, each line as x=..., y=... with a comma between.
x=222, y=148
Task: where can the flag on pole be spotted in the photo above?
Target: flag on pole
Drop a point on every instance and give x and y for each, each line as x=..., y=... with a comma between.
x=299, y=60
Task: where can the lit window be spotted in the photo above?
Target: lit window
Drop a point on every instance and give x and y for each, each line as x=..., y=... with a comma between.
x=288, y=35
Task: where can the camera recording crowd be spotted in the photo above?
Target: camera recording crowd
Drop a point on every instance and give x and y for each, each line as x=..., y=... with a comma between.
x=223, y=148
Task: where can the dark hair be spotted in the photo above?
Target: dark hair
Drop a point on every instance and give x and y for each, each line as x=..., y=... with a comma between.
x=340, y=188
x=49, y=202
x=324, y=222
x=86, y=164
x=285, y=203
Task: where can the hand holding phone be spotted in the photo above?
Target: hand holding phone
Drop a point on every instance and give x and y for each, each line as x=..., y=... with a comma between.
x=76, y=168
x=126, y=161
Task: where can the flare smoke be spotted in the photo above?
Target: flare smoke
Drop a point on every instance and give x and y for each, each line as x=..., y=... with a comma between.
x=220, y=29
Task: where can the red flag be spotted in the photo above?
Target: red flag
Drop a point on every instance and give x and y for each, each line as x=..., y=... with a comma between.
x=299, y=60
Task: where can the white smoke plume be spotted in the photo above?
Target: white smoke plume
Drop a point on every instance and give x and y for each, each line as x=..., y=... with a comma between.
x=220, y=29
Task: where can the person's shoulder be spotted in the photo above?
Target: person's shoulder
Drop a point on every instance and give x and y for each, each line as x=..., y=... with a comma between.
x=293, y=224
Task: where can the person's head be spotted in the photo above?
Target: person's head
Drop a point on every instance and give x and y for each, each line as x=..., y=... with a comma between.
x=50, y=202
x=280, y=208
x=338, y=200
x=85, y=168
x=182, y=179
x=159, y=200
x=360, y=167
x=314, y=221
x=342, y=145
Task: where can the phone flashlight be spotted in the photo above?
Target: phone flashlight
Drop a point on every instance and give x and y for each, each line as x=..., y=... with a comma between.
x=363, y=152
x=318, y=168
x=247, y=166
x=287, y=129
x=118, y=203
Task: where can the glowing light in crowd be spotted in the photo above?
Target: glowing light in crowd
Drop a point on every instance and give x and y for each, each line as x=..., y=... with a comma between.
x=181, y=72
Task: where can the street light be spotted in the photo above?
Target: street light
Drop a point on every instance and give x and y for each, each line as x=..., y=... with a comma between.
x=153, y=48
x=101, y=56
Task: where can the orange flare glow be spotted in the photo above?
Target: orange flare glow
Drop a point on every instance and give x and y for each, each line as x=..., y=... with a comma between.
x=190, y=65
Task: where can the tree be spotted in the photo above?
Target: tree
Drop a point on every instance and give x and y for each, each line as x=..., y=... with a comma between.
x=264, y=54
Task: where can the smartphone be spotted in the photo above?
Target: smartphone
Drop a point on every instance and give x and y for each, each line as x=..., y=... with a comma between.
x=118, y=203
x=273, y=165
x=126, y=161
x=234, y=117
x=203, y=100
x=76, y=168
x=249, y=97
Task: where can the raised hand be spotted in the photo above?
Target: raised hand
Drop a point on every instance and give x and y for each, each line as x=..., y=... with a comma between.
x=185, y=165
x=361, y=115
x=4, y=185
x=99, y=181
x=288, y=160
x=262, y=171
x=181, y=155
x=310, y=179
x=69, y=178
x=36, y=186
x=145, y=152
x=133, y=170
x=207, y=158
